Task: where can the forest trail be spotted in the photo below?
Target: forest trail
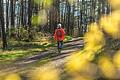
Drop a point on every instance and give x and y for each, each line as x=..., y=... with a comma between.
x=50, y=57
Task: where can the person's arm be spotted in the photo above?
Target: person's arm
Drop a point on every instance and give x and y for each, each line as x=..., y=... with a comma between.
x=55, y=37
x=63, y=31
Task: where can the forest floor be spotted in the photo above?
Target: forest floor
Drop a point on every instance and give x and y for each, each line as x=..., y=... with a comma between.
x=48, y=57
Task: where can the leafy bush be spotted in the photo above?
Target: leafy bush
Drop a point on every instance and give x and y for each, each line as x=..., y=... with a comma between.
x=23, y=34
x=12, y=32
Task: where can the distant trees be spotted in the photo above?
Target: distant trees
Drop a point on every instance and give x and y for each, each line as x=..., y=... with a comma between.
x=16, y=16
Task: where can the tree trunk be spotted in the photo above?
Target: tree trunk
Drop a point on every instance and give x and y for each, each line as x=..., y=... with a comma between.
x=7, y=18
x=4, y=41
x=68, y=20
x=22, y=13
x=29, y=19
x=12, y=13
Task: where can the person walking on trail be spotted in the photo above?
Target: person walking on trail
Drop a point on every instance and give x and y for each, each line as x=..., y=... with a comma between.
x=59, y=35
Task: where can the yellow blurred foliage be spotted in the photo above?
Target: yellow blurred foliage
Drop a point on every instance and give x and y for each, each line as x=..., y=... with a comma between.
x=12, y=76
x=115, y=4
x=115, y=15
x=110, y=24
x=44, y=73
x=47, y=3
x=94, y=38
x=76, y=64
x=38, y=1
x=79, y=62
x=107, y=67
x=90, y=55
x=82, y=77
x=42, y=17
x=35, y=20
x=71, y=2
x=116, y=59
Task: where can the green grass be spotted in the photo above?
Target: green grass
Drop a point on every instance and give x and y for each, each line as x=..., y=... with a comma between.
x=21, y=49
x=18, y=50
x=68, y=38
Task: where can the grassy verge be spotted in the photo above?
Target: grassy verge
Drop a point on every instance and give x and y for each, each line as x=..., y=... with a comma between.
x=21, y=49
x=17, y=50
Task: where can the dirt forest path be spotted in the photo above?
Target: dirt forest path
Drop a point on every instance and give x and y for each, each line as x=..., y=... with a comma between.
x=50, y=57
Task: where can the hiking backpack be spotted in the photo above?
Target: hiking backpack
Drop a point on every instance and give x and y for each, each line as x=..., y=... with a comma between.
x=59, y=33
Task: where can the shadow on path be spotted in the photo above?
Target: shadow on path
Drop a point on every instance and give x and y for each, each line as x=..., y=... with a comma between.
x=50, y=55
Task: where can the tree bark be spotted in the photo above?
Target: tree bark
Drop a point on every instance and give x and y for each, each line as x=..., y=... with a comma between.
x=4, y=40
x=12, y=13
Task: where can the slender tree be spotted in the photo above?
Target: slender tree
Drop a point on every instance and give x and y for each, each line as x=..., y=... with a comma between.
x=2, y=24
x=12, y=12
x=30, y=18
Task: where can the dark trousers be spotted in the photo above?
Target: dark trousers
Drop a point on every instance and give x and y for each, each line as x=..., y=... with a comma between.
x=59, y=42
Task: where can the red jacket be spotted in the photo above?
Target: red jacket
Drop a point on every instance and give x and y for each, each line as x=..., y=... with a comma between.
x=61, y=38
